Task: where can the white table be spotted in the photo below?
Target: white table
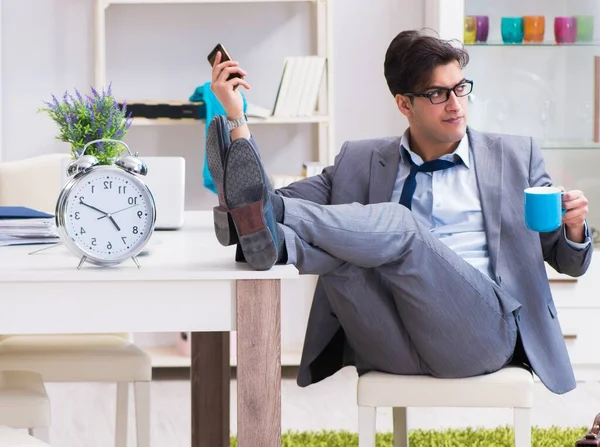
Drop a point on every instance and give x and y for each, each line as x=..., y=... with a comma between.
x=187, y=282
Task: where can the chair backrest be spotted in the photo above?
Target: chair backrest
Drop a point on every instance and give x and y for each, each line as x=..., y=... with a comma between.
x=33, y=182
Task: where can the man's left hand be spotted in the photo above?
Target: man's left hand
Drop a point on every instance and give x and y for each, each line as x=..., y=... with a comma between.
x=576, y=206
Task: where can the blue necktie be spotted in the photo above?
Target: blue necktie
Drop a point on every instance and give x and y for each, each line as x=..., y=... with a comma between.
x=410, y=184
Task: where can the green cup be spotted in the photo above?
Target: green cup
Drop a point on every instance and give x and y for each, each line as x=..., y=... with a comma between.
x=585, y=28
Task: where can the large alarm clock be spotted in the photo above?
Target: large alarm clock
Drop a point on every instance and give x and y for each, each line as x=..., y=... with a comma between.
x=105, y=214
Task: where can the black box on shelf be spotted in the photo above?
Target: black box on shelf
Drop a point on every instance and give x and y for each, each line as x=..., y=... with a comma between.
x=166, y=109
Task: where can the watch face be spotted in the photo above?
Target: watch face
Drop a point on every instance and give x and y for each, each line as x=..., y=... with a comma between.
x=107, y=214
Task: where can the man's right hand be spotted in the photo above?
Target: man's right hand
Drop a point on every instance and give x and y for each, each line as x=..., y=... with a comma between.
x=230, y=99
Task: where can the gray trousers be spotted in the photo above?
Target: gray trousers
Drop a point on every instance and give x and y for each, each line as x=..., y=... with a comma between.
x=408, y=304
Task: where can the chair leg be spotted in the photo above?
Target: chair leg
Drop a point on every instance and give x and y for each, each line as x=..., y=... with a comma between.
x=142, y=413
x=41, y=433
x=522, y=427
x=366, y=426
x=122, y=414
x=400, y=427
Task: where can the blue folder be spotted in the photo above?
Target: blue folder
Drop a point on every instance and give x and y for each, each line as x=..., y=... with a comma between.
x=22, y=212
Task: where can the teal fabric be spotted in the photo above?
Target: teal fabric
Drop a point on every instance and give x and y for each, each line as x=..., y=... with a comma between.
x=213, y=107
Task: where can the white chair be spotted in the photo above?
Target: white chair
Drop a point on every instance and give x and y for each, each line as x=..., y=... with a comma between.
x=44, y=172
x=73, y=357
x=511, y=387
x=24, y=404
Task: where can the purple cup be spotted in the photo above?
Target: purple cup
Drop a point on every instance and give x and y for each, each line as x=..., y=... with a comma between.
x=483, y=28
x=565, y=29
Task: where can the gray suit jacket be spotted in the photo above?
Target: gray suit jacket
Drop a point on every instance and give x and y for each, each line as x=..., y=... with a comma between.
x=365, y=171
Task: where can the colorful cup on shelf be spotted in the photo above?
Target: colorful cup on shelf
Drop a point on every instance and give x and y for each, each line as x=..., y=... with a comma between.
x=565, y=29
x=482, y=28
x=470, y=29
x=534, y=29
x=585, y=28
x=512, y=29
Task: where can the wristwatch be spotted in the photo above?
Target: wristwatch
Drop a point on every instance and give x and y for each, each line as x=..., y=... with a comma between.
x=232, y=124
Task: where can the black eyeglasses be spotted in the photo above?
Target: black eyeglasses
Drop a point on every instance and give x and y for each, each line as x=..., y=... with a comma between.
x=440, y=95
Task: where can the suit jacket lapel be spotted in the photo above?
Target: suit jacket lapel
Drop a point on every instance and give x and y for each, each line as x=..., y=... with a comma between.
x=488, y=161
x=384, y=169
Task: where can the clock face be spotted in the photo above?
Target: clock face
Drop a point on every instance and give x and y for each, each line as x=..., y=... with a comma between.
x=109, y=214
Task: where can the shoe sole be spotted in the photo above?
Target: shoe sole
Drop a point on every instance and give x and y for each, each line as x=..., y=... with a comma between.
x=217, y=142
x=244, y=190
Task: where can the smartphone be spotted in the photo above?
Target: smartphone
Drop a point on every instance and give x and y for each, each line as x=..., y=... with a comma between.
x=224, y=57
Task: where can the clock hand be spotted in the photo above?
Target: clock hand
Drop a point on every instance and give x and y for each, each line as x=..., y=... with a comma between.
x=114, y=222
x=105, y=214
x=111, y=214
x=93, y=207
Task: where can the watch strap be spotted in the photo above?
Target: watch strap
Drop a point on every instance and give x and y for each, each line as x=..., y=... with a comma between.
x=238, y=122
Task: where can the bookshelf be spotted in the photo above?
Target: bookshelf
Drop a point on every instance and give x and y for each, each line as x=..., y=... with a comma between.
x=315, y=119
x=321, y=122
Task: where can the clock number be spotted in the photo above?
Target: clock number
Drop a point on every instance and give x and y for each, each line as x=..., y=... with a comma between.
x=132, y=200
x=122, y=189
x=139, y=213
x=109, y=245
x=94, y=241
x=135, y=230
x=76, y=215
x=123, y=237
x=81, y=198
x=93, y=189
x=82, y=231
x=108, y=184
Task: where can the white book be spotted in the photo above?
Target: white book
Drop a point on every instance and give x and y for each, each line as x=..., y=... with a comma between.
x=256, y=111
x=304, y=100
x=292, y=99
x=284, y=87
x=315, y=78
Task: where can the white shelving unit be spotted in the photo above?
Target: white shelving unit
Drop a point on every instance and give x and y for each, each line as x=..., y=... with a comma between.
x=315, y=119
x=324, y=27
x=170, y=355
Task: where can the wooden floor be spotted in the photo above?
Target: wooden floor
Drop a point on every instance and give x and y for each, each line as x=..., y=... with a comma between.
x=83, y=413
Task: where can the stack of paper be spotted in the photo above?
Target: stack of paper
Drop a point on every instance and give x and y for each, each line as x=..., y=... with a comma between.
x=20, y=225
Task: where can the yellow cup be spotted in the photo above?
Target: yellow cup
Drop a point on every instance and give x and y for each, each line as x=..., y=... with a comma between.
x=470, y=29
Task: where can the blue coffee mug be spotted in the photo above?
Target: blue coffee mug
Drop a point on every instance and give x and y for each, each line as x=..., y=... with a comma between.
x=543, y=208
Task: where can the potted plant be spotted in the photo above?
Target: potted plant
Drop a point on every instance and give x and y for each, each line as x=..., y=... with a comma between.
x=83, y=119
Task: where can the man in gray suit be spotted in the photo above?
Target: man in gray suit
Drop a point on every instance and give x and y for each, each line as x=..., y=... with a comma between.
x=425, y=263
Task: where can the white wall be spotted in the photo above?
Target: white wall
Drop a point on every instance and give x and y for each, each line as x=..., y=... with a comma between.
x=159, y=51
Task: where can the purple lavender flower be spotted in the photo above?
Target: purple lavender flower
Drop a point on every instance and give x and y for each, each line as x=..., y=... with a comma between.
x=83, y=118
x=79, y=97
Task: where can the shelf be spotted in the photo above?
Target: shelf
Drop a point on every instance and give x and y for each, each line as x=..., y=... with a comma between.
x=568, y=144
x=533, y=44
x=171, y=357
x=251, y=121
x=142, y=2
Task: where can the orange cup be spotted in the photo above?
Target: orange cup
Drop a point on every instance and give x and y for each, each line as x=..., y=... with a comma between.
x=534, y=28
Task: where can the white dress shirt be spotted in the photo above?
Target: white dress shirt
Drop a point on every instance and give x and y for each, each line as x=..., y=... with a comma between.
x=448, y=204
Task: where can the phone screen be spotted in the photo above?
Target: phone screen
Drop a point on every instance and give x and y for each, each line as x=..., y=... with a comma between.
x=224, y=57
x=213, y=54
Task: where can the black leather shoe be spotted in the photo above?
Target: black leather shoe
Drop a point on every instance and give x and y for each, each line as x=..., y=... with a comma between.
x=217, y=144
x=246, y=190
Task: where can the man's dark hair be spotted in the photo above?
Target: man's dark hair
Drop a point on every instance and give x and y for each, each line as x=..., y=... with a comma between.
x=412, y=57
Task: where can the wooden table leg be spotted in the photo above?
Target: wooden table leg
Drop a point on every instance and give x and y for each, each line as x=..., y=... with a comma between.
x=259, y=363
x=210, y=376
